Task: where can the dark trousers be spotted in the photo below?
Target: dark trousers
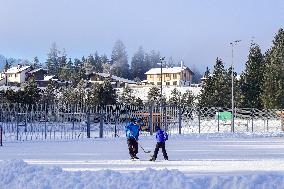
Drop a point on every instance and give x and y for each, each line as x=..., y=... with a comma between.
x=158, y=146
x=132, y=147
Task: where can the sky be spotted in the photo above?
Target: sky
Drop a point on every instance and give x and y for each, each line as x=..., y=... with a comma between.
x=195, y=31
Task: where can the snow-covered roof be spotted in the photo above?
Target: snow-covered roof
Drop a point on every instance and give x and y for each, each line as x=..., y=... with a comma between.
x=115, y=78
x=35, y=70
x=166, y=70
x=48, y=77
x=17, y=69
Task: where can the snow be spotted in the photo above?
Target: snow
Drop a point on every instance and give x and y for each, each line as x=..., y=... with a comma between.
x=166, y=70
x=17, y=69
x=211, y=160
x=142, y=91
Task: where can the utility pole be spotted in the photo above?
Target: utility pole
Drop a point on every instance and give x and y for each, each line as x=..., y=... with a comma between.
x=232, y=85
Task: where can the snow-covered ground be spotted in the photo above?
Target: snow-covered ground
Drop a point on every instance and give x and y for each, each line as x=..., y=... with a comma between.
x=221, y=160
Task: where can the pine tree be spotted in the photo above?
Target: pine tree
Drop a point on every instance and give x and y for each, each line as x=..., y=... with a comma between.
x=98, y=64
x=206, y=93
x=78, y=72
x=63, y=67
x=109, y=94
x=175, y=98
x=49, y=94
x=154, y=95
x=187, y=99
x=36, y=64
x=52, y=60
x=252, y=79
x=221, y=86
x=7, y=65
x=31, y=92
x=89, y=64
x=127, y=97
x=273, y=87
x=138, y=65
x=120, y=66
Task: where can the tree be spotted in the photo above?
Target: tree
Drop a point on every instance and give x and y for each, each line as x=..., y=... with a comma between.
x=64, y=69
x=109, y=94
x=36, y=64
x=196, y=78
x=102, y=94
x=52, y=60
x=98, y=63
x=127, y=97
x=154, y=96
x=31, y=92
x=49, y=94
x=187, y=99
x=120, y=66
x=273, y=87
x=78, y=72
x=206, y=93
x=7, y=65
x=138, y=68
x=89, y=64
x=252, y=79
x=175, y=98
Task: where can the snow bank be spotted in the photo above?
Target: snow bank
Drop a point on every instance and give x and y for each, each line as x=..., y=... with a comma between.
x=17, y=174
x=240, y=135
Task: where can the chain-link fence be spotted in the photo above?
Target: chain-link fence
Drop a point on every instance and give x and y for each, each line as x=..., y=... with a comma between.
x=65, y=121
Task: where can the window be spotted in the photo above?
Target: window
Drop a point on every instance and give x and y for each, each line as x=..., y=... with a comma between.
x=167, y=83
x=175, y=83
x=152, y=83
x=158, y=83
x=15, y=75
x=159, y=77
x=151, y=76
x=184, y=75
x=167, y=75
x=174, y=76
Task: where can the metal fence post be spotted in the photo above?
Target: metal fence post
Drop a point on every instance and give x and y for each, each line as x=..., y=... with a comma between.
x=218, y=120
x=115, y=126
x=151, y=120
x=88, y=124
x=1, y=138
x=179, y=120
x=17, y=122
x=199, y=121
x=101, y=125
x=252, y=120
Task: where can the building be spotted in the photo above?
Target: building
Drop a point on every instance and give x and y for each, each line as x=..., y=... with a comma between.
x=116, y=81
x=175, y=76
x=16, y=75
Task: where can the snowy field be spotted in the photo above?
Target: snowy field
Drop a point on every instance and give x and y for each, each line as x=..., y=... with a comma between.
x=221, y=160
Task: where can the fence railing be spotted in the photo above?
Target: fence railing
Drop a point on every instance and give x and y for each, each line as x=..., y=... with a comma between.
x=65, y=121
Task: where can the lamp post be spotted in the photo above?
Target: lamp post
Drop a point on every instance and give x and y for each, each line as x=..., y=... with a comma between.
x=161, y=62
x=232, y=85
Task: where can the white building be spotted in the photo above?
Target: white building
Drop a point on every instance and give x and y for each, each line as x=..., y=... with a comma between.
x=16, y=75
x=175, y=76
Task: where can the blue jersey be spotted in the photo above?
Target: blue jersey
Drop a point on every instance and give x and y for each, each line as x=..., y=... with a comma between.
x=161, y=136
x=132, y=131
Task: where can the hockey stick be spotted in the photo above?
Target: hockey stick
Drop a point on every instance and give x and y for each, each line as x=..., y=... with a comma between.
x=147, y=152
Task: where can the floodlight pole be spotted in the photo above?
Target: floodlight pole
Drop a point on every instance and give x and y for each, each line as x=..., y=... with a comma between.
x=161, y=62
x=232, y=85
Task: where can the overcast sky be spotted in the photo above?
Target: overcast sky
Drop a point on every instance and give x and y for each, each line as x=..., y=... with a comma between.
x=196, y=31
